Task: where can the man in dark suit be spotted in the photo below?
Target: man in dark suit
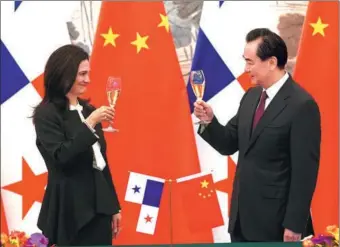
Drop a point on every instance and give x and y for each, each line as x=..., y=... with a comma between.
x=277, y=132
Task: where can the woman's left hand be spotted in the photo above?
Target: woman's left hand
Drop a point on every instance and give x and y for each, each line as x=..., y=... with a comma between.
x=116, y=224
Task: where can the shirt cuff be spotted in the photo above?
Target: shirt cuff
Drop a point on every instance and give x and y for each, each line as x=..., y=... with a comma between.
x=202, y=128
x=92, y=129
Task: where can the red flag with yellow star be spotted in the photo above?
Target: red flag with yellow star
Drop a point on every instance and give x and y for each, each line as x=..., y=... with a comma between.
x=317, y=70
x=198, y=196
x=156, y=137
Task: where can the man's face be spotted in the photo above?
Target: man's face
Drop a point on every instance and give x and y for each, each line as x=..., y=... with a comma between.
x=258, y=70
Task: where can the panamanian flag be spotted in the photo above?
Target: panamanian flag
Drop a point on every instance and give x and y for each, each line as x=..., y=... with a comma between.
x=147, y=192
x=30, y=32
x=218, y=52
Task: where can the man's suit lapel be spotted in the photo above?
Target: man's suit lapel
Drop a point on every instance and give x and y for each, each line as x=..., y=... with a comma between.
x=275, y=107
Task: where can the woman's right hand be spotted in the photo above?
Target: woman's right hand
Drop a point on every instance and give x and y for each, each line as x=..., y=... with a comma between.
x=104, y=113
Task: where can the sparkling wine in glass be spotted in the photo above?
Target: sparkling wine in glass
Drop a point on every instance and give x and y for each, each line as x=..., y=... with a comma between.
x=197, y=81
x=113, y=89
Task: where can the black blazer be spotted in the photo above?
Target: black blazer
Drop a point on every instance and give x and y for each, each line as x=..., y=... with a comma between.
x=75, y=190
x=277, y=165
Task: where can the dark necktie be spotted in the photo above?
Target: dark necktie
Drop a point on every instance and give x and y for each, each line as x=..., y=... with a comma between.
x=260, y=109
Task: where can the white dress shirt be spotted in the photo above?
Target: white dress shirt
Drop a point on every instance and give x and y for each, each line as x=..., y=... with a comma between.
x=98, y=161
x=274, y=89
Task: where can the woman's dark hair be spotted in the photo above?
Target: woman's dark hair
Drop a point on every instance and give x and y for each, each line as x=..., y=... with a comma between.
x=60, y=74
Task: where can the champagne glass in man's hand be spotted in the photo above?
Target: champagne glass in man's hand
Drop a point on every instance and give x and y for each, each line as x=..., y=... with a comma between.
x=197, y=81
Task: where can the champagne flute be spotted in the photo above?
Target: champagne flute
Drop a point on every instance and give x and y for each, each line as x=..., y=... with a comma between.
x=197, y=81
x=113, y=89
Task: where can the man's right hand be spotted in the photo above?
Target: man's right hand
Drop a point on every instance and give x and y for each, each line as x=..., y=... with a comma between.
x=104, y=113
x=203, y=111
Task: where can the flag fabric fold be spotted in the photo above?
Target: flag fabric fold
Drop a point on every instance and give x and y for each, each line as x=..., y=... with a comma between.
x=317, y=70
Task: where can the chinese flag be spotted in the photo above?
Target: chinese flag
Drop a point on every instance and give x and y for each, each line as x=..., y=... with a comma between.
x=199, y=199
x=317, y=70
x=133, y=41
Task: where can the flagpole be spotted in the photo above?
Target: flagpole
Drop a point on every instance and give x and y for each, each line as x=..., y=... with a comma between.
x=170, y=207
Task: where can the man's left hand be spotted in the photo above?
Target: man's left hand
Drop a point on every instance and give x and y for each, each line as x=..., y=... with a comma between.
x=116, y=225
x=290, y=236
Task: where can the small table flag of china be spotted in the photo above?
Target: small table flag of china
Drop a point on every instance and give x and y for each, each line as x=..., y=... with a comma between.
x=200, y=202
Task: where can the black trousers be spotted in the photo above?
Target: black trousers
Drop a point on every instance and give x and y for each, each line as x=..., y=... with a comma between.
x=97, y=232
x=236, y=235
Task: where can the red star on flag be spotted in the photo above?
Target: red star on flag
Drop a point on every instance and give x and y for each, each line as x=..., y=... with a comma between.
x=148, y=219
x=31, y=187
x=4, y=227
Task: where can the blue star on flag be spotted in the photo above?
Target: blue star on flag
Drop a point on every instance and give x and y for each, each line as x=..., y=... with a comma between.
x=136, y=189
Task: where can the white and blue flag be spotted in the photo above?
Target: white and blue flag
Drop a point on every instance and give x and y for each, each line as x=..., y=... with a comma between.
x=30, y=32
x=146, y=191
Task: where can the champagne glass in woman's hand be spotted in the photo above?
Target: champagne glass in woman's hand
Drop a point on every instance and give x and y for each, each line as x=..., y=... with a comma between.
x=113, y=89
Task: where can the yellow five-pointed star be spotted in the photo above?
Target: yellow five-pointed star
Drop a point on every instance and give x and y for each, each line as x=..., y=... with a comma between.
x=204, y=184
x=140, y=42
x=319, y=27
x=164, y=22
x=110, y=37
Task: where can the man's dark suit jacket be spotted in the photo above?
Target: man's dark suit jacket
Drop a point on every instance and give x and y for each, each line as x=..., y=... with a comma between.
x=75, y=191
x=277, y=165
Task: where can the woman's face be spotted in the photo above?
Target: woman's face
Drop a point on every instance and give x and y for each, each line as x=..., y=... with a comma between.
x=82, y=80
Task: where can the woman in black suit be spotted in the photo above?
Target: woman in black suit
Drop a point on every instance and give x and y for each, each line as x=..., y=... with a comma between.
x=80, y=205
